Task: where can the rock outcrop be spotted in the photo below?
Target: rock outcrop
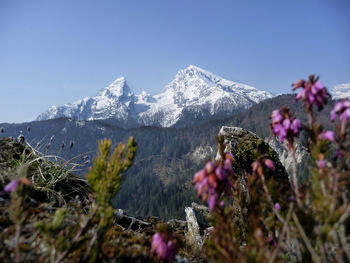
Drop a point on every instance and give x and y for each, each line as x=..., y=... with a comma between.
x=193, y=235
x=302, y=156
x=247, y=147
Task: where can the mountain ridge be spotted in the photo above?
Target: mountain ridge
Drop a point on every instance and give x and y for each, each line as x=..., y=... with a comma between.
x=193, y=93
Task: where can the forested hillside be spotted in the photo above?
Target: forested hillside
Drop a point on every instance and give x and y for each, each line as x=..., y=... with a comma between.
x=159, y=182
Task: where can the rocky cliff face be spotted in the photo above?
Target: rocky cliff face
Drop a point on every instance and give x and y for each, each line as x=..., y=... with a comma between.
x=285, y=156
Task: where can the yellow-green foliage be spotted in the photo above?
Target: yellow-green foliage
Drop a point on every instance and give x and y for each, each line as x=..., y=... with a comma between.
x=51, y=227
x=105, y=175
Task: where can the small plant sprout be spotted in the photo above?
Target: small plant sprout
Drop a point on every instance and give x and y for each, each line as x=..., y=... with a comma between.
x=105, y=178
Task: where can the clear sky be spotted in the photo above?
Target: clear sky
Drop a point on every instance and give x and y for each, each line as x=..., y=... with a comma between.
x=57, y=51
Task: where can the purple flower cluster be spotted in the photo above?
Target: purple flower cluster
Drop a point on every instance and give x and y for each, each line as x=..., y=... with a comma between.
x=341, y=110
x=163, y=247
x=258, y=168
x=12, y=186
x=284, y=125
x=312, y=92
x=327, y=135
x=212, y=181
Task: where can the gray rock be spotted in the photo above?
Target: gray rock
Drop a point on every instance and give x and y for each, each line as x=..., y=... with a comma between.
x=179, y=259
x=247, y=147
x=201, y=209
x=193, y=236
x=302, y=155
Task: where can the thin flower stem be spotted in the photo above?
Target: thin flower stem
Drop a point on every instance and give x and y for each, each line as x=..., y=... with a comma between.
x=270, y=199
x=342, y=237
x=284, y=231
x=307, y=242
x=295, y=180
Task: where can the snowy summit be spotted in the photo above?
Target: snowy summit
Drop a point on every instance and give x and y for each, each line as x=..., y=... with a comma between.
x=341, y=91
x=194, y=93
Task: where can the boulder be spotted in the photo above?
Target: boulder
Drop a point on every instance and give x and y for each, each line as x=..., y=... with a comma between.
x=247, y=147
x=193, y=236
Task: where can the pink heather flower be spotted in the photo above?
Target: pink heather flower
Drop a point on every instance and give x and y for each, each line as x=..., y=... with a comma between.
x=284, y=125
x=276, y=116
x=162, y=248
x=209, y=167
x=12, y=186
x=270, y=164
x=345, y=115
x=322, y=163
x=327, y=135
x=341, y=110
x=212, y=201
x=296, y=125
x=312, y=92
x=212, y=181
x=277, y=206
x=255, y=166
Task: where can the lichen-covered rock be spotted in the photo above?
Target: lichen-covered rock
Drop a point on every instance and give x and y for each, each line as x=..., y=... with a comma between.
x=247, y=147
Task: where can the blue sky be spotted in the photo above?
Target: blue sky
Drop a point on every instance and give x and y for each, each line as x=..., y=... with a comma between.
x=55, y=52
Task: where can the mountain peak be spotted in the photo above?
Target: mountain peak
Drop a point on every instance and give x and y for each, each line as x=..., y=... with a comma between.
x=193, y=71
x=118, y=88
x=193, y=92
x=341, y=91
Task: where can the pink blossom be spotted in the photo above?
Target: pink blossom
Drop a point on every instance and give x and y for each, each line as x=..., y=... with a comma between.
x=296, y=125
x=327, y=135
x=312, y=92
x=255, y=166
x=322, y=163
x=284, y=125
x=163, y=248
x=12, y=186
x=277, y=206
x=341, y=110
x=212, y=201
x=212, y=181
x=269, y=163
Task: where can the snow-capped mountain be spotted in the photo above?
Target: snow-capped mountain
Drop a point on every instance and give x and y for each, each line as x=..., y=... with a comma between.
x=194, y=93
x=112, y=101
x=341, y=91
